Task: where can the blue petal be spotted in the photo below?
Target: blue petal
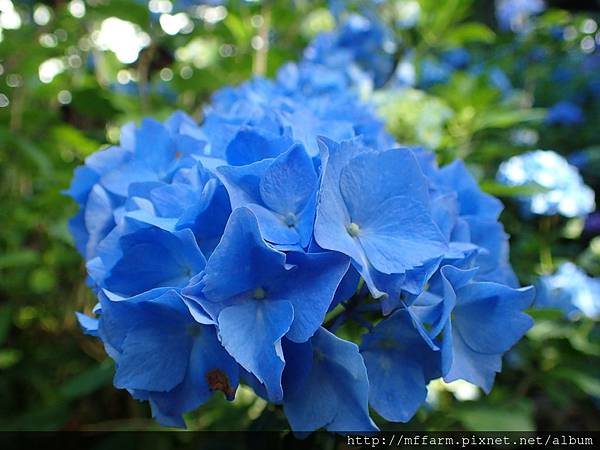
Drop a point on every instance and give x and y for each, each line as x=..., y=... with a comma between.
x=81, y=184
x=493, y=260
x=307, y=127
x=104, y=161
x=396, y=228
x=289, y=182
x=155, y=350
x=445, y=213
x=169, y=259
x=298, y=363
x=175, y=421
x=451, y=279
x=251, y=332
x=210, y=369
x=347, y=287
x=243, y=183
x=79, y=232
x=368, y=180
x=388, y=215
x=309, y=287
x=88, y=324
x=153, y=145
x=280, y=192
x=117, y=181
x=98, y=217
x=251, y=145
x=273, y=228
x=471, y=199
x=489, y=316
x=332, y=214
x=232, y=268
x=147, y=218
x=399, y=364
x=486, y=321
x=335, y=393
x=208, y=221
x=170, y=200
x=476, y=368
x=401, y=237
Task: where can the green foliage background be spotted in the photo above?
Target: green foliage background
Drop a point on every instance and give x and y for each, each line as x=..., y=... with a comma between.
x=52, y=377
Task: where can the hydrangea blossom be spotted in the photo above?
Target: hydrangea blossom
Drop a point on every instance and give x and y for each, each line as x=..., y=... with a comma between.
x=360, y=43
x=571, y=290
x=433, y=72
x=565, y=192
x=565, y=113
x=458, y=58
x=150, y=154
x=515, y=15
x=236, y=250
x=592, y=224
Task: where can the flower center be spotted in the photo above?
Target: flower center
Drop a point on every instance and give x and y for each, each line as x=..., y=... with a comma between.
x=353, y=229
x=259, y=293
x=290, y=220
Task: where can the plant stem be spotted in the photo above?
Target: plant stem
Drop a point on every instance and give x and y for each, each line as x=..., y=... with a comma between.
x=546, y=261
x=259, y=65
x=144, y=75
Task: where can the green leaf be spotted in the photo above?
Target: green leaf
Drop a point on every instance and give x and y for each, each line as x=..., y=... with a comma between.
x=35, y=154
x=506, y=119
x=544, y=330
x=72, y=139
x=501, y=190
x=18, y=259
x=236, y=27
x=42, y=280
x=587, y=383
x=545, y=314
x=438, y=17
x=518, y=417
x=45, y=418
x=88, y=381
x=9, y=357
x=470, y=32
x=92, y=103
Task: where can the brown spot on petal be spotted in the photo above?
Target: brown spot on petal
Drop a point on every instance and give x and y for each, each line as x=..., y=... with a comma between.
x=218, y=381
x=178, y=155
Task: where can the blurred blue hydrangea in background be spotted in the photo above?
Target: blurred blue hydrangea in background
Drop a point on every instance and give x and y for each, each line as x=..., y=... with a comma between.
x=565, y=193
x=571, y=290
x=515, y=15
x=565, y=113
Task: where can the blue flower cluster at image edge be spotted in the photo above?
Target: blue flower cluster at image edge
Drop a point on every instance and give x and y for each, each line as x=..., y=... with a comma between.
x=570, y=290
x=216, y=251
x=515, y=15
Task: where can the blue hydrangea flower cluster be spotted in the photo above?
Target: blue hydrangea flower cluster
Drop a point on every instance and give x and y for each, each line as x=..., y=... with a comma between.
x=565, y=192
x=565, y=112
x=240, y=250
x=571, y=290
x=515, y=15
x=592, y=224
x=362, y=47
x=439, y=70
